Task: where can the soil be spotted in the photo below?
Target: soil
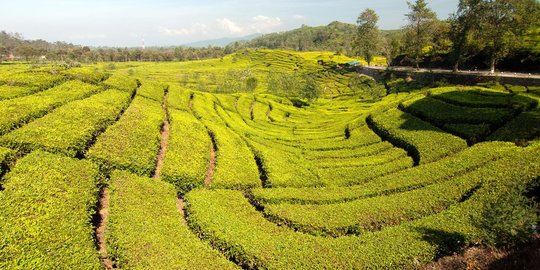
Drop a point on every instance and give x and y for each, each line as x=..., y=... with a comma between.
x=164, y=141
x=100, y=230
x=190, y=104
x=180, y=204
x=211, y=166
x=251, y=110
x=526, y=257
x=162, y=149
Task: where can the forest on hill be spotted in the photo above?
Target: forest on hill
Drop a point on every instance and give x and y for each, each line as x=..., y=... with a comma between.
x=479, y=35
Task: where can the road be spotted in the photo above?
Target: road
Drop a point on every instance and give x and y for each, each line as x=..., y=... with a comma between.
x=465, y=72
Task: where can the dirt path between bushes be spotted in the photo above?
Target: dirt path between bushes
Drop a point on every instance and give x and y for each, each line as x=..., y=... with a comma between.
x=211, y=166
x=165, y=129
x=103, y=213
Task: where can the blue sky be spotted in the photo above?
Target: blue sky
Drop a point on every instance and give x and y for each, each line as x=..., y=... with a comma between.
x=168, y=22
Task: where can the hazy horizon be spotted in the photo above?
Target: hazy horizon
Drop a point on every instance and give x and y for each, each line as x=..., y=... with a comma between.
x=125, y=23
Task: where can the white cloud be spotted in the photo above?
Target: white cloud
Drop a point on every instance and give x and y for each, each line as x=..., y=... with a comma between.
x=258, y=24
x=263, y=24
x=230, y=26
x=299, y=17
x=198, y=28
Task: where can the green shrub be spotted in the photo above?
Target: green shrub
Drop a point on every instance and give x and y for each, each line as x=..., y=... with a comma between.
x=348, y=176
x=187, y=135
x=525, y=126
x=122, y=82
x=352, y=152
x=419, y=176
x=359, y=216
x=481, y=97
x=36, y=80
x=203, y=107
x=6, y=155
x=251, y=84
x=471, y=132
x=9, y=92
x=145, y=229
x=178, y=98
x=133, y=142
x=151, y=90
x=45, y=214
x=508, y=220
x=515, y=88
x=88, y=75
x=235, y=163
x=380, y=158
x=233, y=225
x=283, y=169
x=442, y=113
x=401, y=85
x=15, y=112
x=298, y=103
x=70, y=128
x=359, y=137
x=424, y=142
x=493, y=85
x=110, y=66
x=535, y=90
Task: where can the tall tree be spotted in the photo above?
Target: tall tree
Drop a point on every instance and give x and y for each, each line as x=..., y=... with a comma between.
x=367, y=41
x=391, y=46
x=310, y=90
x=502, y=24
x=462, y=24
x=494, y=26
x=419, y=30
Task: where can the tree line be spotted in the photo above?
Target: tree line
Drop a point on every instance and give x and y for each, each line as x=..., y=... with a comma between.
x=480, y=32
x=14, y=47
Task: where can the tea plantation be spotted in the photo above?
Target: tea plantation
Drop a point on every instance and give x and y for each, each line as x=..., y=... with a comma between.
x=211, y=165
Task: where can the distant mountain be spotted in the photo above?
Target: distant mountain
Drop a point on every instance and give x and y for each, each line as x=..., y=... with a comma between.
x=221, y=42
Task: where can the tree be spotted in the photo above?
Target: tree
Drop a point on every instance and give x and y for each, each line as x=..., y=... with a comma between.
x=26, y=51
x=441, y=43
x=391, y=46
x=367, y=42
x=419, y=30
x=3, y=52
x=462, y=23
x=310, y=89
x=502, y=23
x=493, y=26
x=273, y=82
x=251, y=84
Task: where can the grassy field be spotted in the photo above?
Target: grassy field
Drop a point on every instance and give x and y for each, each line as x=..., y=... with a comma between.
x=207, y=165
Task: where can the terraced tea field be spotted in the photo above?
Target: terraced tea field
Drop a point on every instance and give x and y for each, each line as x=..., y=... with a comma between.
x=136, y=168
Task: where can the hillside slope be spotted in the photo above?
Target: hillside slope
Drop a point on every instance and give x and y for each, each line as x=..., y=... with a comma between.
x=174, y=177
